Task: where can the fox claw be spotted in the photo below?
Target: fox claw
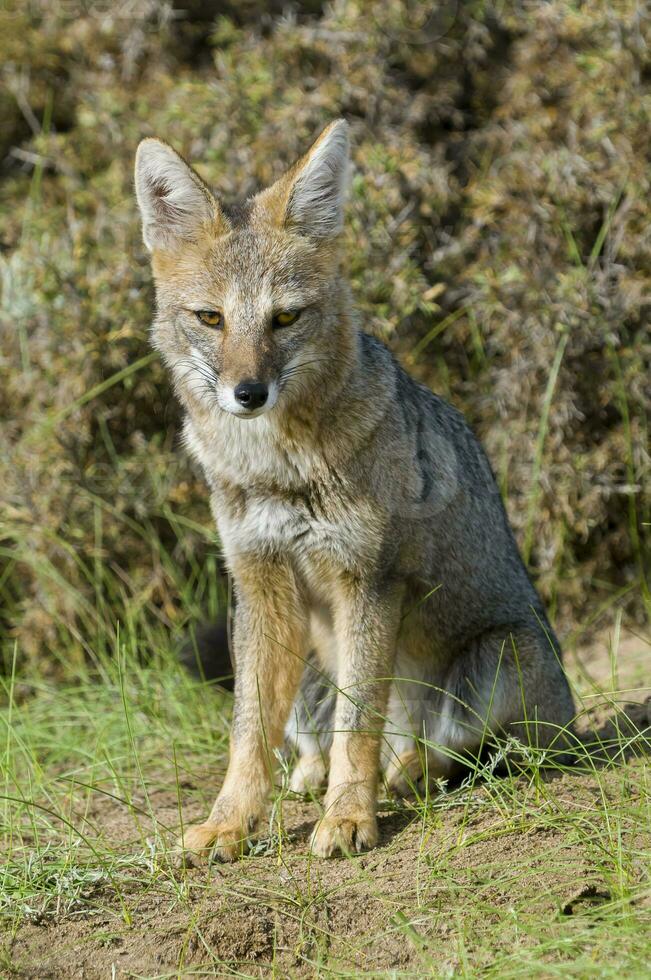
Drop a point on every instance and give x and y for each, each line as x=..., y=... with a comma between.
x=207, y=841
x=346, y=834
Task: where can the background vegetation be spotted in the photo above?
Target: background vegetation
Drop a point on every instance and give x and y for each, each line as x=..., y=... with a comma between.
x=499, y=239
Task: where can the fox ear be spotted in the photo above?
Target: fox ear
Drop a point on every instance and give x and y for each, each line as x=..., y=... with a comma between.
x=310, y=197
x=174, y=201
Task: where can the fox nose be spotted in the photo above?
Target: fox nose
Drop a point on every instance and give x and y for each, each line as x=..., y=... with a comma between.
x=251, y=394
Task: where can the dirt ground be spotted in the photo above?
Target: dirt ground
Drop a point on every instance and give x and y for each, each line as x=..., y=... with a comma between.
x=249, y=915
x=394, y=910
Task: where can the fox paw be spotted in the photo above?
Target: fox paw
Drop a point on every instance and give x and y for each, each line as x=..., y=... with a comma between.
x=345, y=833
x=308, y=775
x=410, y=776
x=199, y=842
x=404, y=776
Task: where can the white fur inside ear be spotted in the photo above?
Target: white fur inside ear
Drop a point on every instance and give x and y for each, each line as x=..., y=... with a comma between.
x=174, y=202
x=316, y=202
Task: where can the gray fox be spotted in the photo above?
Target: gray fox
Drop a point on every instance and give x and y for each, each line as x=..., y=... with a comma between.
x=385, y=622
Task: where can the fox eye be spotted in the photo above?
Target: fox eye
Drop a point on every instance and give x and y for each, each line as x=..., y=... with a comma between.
x=285, y=318
x=211, y=318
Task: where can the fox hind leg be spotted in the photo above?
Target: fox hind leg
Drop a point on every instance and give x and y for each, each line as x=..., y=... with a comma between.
x=409, y=763
x=506, y=682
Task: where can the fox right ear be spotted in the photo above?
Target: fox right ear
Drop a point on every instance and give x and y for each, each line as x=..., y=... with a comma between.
x=310, y=197
x=174, y=201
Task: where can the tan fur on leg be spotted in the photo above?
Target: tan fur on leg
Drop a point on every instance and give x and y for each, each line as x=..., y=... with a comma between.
x=366, y=624
x=349, y=822
x=270, y=635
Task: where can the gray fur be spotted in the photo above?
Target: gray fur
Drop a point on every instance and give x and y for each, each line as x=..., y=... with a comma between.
x=453, y=536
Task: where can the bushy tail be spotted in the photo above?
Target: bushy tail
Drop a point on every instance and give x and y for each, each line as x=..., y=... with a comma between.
x=206, y=653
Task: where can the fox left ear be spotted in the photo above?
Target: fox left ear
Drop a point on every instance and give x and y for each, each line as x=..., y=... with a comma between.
x=174, y=201
x=310, y=197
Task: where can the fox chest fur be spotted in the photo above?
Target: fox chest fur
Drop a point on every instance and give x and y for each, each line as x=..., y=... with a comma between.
x=270, y=501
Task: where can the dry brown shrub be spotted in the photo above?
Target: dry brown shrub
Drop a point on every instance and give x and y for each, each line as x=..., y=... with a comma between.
x=499, y=238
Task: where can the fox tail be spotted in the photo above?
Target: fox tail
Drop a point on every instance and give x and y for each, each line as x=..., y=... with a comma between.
x=206, y=652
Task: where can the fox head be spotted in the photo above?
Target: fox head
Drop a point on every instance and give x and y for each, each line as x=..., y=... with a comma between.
x=250, y=302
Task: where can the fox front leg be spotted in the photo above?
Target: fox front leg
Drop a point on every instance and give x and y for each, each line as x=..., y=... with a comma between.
x=269, y=648
x=367, y=620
